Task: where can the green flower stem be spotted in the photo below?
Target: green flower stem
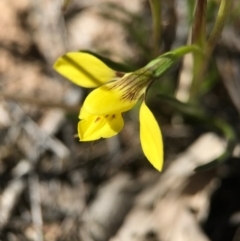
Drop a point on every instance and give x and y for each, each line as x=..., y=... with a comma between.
x=181, y=51
x=163, y=63
x=223, y=13
x=199, y=25
x=201, y=62
x=155, y=6
x=198, y=38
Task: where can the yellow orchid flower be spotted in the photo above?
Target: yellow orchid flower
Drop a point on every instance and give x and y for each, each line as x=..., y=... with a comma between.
x=116, y=93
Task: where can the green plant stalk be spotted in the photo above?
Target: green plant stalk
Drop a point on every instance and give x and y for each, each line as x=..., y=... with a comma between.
x=200, y=64
x=199, y=25
x=159, y=66
x=155, y=6
x=181, y=51
x=221, y=19
x=199, y=39
x=190, y=4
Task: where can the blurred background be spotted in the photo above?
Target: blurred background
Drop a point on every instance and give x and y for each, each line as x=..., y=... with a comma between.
x=54, y=188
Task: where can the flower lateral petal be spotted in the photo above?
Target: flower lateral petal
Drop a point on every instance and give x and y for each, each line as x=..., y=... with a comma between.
x=151, y=138
x=84, y=69
x=96, y=127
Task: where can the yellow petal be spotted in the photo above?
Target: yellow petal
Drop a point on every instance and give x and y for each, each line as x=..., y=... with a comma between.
x=84, y=114
x=113, y=126
x=116, y=97
x=151, y=138
x=95, y=127
x=84, y=69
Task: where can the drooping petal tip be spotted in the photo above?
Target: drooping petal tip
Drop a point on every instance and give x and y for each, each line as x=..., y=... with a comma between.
x=151, y=138
x=84, y=69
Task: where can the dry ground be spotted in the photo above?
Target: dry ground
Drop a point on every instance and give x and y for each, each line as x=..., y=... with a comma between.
x=54, y=188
